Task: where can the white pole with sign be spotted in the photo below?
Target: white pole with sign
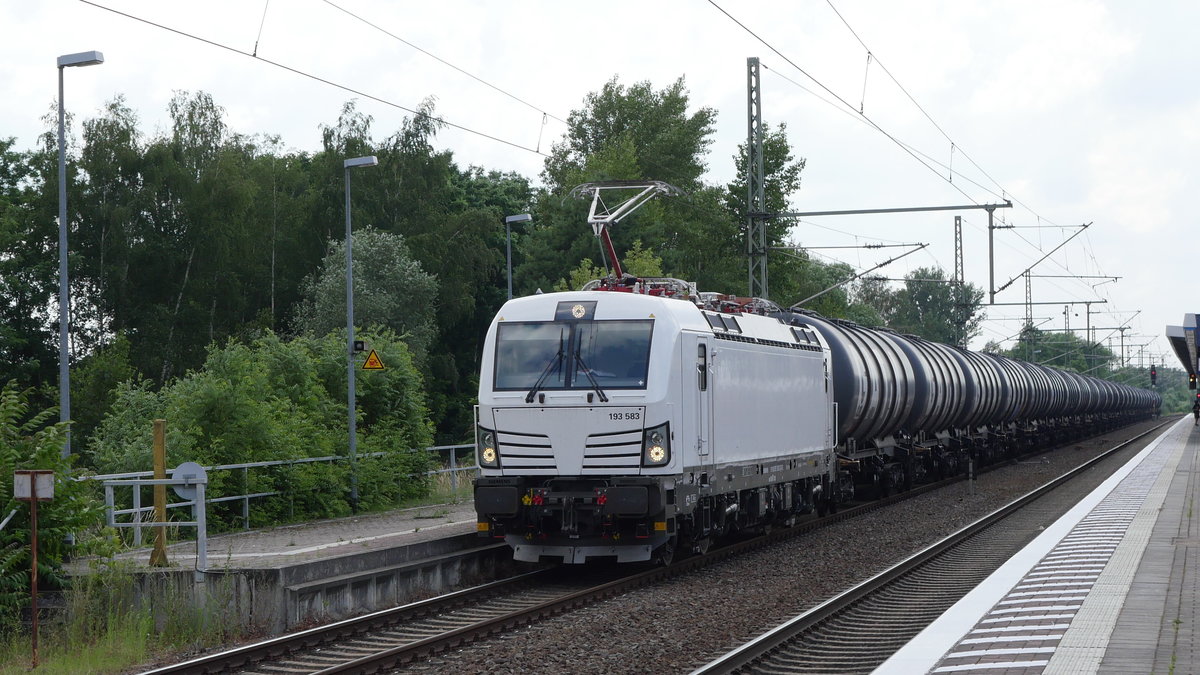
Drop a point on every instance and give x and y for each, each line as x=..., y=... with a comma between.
x=33, y=487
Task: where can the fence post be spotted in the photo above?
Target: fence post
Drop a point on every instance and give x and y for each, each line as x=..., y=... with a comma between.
x=453, y=474
x=137, y=515
x=109, y=505
x=158, y=557
x=246, y=497
x=291, y=491
x=199, y=507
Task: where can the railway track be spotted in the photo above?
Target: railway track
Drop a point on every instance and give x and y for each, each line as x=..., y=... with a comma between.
x=416, y=631
x=858, y=630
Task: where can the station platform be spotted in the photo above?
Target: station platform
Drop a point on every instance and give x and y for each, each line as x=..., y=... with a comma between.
x=1110, y=587
x=279, y=578
x=317, y=540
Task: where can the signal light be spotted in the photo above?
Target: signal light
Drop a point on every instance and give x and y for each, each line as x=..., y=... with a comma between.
x=1192, y=382
x=1153, y=375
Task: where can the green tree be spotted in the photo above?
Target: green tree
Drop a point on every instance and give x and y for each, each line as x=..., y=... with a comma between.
x=171, y=234
x=781, y=179
x=625, y=133
x=633, y=129
x=931, y=306
x=1062, y=350
x=94, y=383
x=638, y=261
x=390, y=289
x=28, y=268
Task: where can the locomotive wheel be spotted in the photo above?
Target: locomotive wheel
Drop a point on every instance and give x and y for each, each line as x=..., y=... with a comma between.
x=700, y=546
x=665, y=554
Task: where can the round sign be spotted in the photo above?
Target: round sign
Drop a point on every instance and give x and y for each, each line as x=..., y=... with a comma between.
x=194, y=473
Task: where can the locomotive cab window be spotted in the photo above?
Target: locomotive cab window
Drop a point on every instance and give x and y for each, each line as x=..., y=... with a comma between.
x=571, y=354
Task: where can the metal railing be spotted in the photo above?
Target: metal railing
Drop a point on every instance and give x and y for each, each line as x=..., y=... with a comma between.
x=137, y=512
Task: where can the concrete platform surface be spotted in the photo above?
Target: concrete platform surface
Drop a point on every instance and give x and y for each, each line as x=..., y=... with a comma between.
x=1108, y=588
x=307, y=542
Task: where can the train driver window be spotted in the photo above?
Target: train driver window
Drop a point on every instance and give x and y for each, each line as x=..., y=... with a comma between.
x=702, y=367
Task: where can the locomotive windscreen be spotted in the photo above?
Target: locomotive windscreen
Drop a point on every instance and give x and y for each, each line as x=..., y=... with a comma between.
x=616, y=354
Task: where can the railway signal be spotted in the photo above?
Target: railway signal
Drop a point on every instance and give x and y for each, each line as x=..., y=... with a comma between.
x=1153, y=375
x=1192, y=381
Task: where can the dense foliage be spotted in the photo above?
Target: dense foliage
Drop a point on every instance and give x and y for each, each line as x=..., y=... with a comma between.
x=29, y=440
x=274, y=399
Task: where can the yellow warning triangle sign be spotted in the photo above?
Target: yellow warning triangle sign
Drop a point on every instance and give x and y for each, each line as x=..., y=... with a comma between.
x=373, y=362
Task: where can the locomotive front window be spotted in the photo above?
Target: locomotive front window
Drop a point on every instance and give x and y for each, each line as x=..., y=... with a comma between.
x=525, y=350
x=615, y=353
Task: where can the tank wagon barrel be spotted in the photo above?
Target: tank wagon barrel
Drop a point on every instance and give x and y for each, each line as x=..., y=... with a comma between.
x=889, y=385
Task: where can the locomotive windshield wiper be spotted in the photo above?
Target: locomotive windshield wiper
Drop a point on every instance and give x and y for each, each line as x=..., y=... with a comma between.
x=588, y=371
x=552, y=365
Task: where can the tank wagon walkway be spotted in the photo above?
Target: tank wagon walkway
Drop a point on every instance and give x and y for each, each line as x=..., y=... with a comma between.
x=1111, y=587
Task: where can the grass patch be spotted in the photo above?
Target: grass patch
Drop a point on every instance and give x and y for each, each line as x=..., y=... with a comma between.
x=114, y=621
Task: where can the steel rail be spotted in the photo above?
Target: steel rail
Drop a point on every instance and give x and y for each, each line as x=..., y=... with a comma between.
x=745, y=656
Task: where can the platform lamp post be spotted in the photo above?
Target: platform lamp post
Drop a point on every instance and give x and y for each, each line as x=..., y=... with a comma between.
x=347, y=165
x=508, y=221
x=66, y=61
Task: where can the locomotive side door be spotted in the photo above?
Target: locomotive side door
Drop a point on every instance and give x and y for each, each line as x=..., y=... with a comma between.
x=703, y=384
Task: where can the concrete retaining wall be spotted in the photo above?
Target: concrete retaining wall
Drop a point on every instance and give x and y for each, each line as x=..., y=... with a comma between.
x=275, y=600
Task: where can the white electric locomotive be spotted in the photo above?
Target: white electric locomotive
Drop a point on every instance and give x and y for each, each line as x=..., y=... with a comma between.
x=625, y=424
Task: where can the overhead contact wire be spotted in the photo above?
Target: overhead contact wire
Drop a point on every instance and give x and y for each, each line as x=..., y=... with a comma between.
x=954, y=146
x=442, y=61
x=878, y=128
x=317, y=78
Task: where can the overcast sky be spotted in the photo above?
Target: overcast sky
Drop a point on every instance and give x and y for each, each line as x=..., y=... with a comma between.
x=1080, y=111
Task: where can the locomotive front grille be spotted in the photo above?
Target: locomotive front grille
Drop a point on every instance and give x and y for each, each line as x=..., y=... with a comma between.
x=602, y=453
x=570, y=441
x=614, y=450
x=525, y=451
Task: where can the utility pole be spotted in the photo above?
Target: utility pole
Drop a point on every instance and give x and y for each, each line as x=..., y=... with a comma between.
x=959, y=288
x=756, y=206
x=992, y=227
x=1028, y=302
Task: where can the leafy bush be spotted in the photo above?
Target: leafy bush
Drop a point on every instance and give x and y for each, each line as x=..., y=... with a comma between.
x=35, y=442
x=275, y=399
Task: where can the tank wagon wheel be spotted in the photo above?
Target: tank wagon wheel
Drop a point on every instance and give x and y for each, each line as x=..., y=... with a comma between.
x=882, y=480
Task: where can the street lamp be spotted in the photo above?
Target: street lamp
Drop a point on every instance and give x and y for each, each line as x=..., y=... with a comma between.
x=508, y=221
x=64, y=293
x=347, y=165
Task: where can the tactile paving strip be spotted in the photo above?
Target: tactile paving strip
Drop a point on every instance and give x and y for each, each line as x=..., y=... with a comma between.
x=1023, y=631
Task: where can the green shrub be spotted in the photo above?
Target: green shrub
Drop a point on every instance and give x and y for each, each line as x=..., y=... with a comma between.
x=276, y=399
x=35, y=442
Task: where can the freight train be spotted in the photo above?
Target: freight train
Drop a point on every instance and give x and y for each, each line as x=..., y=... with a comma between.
x=641, y=418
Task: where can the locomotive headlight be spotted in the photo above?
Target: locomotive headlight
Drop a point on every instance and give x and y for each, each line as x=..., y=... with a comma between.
x=656, y=445
x=486, y=449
